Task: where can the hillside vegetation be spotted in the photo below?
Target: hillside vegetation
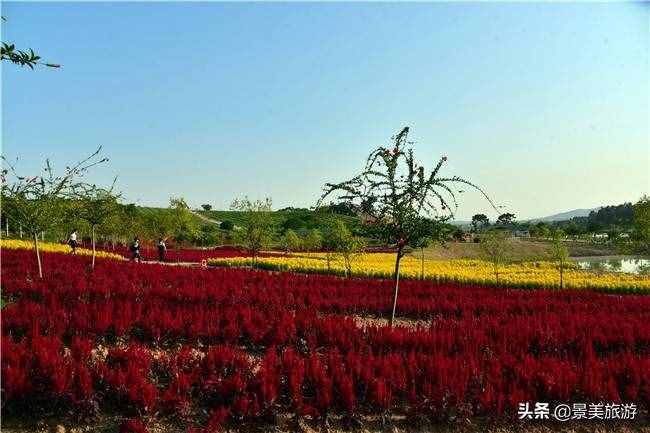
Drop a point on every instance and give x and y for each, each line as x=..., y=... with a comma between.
x=294, y=219
x=192, y=227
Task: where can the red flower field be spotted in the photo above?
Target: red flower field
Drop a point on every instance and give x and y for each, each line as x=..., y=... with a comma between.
x=246, y=345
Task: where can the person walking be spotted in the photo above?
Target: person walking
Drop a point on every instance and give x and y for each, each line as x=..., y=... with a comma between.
x=72, y=241
x=135, y=250
x=162, y=249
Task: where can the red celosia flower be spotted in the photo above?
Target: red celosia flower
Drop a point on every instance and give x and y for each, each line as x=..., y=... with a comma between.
x=485, y=350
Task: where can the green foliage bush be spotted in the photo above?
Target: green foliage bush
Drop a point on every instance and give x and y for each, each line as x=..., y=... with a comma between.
x=226, y=225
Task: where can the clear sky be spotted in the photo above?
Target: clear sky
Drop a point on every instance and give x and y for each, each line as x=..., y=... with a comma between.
x=545, y=105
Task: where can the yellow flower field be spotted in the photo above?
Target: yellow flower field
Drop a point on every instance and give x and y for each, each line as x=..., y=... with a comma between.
x=528, y=274
x=48, y=247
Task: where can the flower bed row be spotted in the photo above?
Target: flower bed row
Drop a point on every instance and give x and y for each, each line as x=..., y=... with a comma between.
x=48, y=247
x=244, y=345
x=381, y=265
x=181, y=255
x=119, y=252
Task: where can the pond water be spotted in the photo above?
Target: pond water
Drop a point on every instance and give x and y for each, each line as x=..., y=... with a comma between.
x=627, y=264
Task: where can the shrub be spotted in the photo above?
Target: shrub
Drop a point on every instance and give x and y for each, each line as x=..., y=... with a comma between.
x=226, y=225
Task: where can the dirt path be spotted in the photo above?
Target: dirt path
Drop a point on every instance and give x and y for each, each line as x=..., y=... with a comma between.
x=156, y=262
x=205, y=218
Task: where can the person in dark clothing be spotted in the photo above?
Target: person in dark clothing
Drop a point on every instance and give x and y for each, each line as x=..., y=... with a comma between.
x=162, y=248
x=135, y=250
x=72, y=241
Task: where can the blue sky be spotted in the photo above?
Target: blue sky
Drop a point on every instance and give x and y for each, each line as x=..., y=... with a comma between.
x=544, y=105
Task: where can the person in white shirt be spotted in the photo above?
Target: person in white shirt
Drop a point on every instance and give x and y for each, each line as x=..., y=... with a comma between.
x=72, y=241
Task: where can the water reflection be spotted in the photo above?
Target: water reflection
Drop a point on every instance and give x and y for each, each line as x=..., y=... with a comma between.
x=631, y=265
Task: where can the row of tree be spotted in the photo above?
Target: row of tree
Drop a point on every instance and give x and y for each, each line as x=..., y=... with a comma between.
x=39, y=203
x=481, y=222
x=626, y=226
x=58, y=204
x=496, y=248
x=259, y=232
x=620, y=218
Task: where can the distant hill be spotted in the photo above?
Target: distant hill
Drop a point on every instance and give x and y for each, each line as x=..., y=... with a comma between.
x=564, y=216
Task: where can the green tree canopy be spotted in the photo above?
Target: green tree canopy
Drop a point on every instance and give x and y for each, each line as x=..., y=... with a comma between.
x=185, y=226
x=480, y=221
x=96, y=206
x=496, y=249
x=313, y=240
x=291, y=242
x=506, y=219
x=226, y=225
x=642, y=224
x=344, y=244
x=257, y=232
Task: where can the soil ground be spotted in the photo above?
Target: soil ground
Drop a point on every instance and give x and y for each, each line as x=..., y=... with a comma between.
x=110, y=424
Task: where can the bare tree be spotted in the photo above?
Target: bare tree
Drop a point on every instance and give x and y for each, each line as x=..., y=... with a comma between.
x=393, y=194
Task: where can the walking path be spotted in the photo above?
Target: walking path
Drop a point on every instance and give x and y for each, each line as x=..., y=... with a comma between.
x=205, y=218
x=187, y=264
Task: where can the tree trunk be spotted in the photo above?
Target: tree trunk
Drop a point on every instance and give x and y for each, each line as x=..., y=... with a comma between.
x=93, y=238
x=38, y=256
x=561, y=276
x=7, y=227
x=422, y=263
x=396, y=279
x=21, y=231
